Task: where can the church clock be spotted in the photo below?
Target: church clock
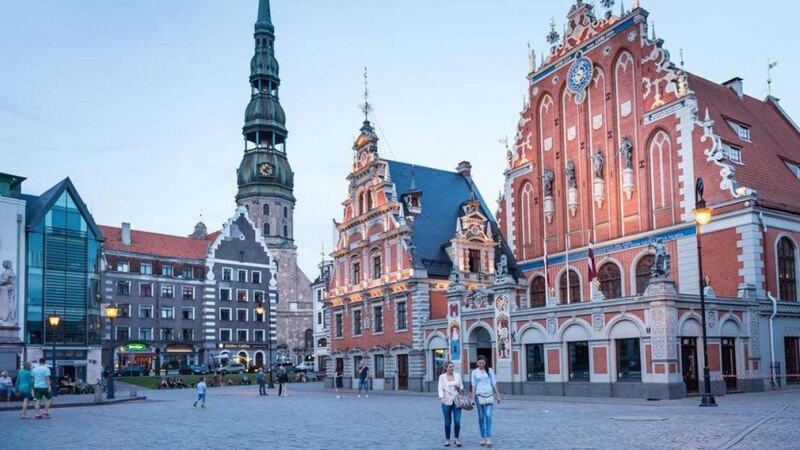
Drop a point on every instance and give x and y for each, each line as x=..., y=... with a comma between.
x=266, y=170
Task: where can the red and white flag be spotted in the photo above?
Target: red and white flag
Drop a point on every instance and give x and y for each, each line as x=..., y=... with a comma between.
x=590, y=262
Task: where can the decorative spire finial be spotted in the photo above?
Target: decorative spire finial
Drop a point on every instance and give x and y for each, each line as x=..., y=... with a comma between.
x=653, y=27
x=681, y=59
x=366, y=108
x=621, y=8
x=531, y=58
x=770, y=66
x=553, y=36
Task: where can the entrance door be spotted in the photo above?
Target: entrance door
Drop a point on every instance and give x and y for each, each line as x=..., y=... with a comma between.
x=729, y=362
x=402, y=372
x=486, y=352
x=689, y=364
x=791, y=347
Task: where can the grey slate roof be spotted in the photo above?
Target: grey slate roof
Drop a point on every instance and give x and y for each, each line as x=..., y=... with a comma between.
x=443, y=194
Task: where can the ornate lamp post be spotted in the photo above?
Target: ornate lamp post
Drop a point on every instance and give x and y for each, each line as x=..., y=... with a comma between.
x=111, y=312
x=54, y=320
x=260, y=312
x=702, y=216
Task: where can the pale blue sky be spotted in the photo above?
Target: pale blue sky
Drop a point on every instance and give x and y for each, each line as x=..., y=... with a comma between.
x=141, y=103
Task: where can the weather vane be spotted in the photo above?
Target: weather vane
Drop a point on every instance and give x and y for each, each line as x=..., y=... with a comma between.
x=770, y=66
x=366, y=108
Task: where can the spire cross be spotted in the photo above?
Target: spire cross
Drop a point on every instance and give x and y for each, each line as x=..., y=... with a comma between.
x=770, y=66
x=366, y=108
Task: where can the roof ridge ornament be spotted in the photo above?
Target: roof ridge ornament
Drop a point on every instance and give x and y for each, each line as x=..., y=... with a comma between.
x=366, y=108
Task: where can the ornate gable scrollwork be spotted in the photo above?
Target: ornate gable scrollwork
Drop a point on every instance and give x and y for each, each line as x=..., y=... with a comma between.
x=716, y=154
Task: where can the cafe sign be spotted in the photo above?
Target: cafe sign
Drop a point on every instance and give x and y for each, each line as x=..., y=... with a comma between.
x=135, y=347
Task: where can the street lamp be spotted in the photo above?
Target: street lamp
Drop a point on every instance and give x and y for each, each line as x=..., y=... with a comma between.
x=702, y=216
x=260, y=312
x=54, y=320
x=111, y=312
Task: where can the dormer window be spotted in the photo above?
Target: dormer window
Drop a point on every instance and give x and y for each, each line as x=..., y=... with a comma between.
x=794, y=167
x=734, y=153
x=474, y=260
x=744, y=132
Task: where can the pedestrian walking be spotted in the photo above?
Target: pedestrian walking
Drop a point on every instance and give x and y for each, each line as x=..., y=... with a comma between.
x=363, y=373
x=24, y=386
x=283, y=378
x=338, y=382
x=484, y=393
x=42, y=388
x=201, y=393
x=450, y=385
x=261, y=380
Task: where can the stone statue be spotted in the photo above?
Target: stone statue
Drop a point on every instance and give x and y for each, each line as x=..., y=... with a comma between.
x=626, y=150
x=8, y=307
x=571, y=182
x=661, y=264
x=598, y=160
x=502, y=267
x=547, y=182
x=454, y=278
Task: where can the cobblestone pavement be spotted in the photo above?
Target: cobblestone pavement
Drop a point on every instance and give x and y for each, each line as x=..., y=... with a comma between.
x=313, y=418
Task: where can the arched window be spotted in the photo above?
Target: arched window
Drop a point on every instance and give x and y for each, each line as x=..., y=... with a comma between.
x=285, y=231
x=285, y=211
x=361, y=203
x=309, y=340
x=610, y=280
x=266, y=229
x=574, y=287
x=538, y=292
x=525, y=202
x=266, y=209
x=643, y=270
x=369, y=200
x=787, y=277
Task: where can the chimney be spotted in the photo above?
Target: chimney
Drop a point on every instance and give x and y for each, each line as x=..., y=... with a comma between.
x=125, y=231
x=464, y=168
x=737, y=85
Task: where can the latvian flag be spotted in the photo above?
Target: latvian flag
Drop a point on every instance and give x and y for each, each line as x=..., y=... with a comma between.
x=590, y=262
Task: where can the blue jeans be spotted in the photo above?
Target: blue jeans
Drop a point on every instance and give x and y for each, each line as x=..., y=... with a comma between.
x=201, y=397
x=484, y=418
x=451, y=414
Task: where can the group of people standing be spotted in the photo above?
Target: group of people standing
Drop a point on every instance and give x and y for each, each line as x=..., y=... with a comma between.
x=483, y=395
x=34, y=383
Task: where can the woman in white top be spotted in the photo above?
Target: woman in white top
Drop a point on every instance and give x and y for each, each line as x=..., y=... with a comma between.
x=450, y=385
x=485, y=394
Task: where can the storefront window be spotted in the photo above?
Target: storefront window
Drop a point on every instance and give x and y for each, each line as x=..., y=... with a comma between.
x=578, y=361
x=438, y=361
x=379, y=366
x=534, y=362
x=629, y=361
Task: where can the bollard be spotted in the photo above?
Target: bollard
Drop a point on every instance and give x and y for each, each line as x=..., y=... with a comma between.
x=98, y=394
x=133, y=391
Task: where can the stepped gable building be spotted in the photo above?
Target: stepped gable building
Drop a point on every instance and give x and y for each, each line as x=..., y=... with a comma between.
x=599, y=198
x=189, y=300
x=406, y=229
x=266, y=189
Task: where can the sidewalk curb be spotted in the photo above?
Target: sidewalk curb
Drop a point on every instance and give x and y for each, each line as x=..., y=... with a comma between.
x=18, y=405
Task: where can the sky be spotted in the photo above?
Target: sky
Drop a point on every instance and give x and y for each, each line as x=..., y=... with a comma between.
x=141, y=102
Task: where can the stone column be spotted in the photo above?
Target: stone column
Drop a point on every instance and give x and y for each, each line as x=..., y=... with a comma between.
x=505, y=300
x=455, y=297
x=666, y=379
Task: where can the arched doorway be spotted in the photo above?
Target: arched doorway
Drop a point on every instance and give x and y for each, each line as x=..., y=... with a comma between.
x=259, y=356
x=481, y=343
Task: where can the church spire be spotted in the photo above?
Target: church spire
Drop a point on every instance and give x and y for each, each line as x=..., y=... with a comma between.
x=264, y=170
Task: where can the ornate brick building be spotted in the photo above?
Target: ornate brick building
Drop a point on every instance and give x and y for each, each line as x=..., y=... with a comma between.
x=600, y=190
x=405, y=230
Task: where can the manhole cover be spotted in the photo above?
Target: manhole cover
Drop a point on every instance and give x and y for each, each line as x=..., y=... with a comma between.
x=639, y=418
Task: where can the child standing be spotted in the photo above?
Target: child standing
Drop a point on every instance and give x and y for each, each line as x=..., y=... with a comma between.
x=201, y=393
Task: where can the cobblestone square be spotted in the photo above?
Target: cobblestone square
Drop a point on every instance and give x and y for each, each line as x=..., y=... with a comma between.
x=313, y=418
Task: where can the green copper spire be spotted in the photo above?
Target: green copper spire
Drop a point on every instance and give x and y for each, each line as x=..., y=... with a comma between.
x=264, y=170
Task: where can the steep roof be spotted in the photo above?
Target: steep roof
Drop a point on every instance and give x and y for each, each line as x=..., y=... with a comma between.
x=443, y=193
x=36, y=207
x=157, y=244
x=773, y=137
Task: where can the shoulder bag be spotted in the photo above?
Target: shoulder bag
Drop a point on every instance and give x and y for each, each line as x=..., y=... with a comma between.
x=462, y=400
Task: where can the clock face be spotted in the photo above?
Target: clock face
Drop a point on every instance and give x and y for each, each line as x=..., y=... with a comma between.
x=265, y=170
x=580, y=74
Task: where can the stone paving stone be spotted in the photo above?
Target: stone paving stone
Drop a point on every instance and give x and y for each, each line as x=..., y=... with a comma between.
x=313, y=418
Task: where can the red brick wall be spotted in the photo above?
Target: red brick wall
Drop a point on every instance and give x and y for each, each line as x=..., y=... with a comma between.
x=720, y=261
x=600, y=360
x=438, y=305
x=553, y=361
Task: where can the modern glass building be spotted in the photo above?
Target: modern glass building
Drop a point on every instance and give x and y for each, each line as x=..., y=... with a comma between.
x=63, y=278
